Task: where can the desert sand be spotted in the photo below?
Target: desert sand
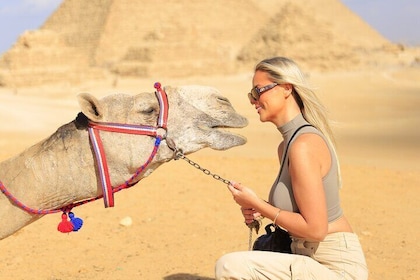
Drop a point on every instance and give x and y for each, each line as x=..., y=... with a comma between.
x=184, y=220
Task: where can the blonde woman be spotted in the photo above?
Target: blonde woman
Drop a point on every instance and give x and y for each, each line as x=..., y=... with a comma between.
x=304, y=199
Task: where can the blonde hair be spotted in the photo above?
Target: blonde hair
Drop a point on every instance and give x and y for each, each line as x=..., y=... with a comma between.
x=283, y=70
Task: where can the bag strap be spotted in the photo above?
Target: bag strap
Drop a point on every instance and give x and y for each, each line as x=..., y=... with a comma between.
x=288, y=144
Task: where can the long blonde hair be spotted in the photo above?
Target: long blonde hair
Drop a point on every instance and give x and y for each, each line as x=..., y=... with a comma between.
x=283, y=70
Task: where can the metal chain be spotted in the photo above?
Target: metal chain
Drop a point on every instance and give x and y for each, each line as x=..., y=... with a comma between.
x=180, y=155
x=250, y=239
x=254, y=225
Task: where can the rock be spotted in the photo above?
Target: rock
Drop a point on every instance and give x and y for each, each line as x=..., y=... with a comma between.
x=126, y=222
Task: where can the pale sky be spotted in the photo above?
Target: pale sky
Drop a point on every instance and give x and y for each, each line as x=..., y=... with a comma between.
x=396, y=20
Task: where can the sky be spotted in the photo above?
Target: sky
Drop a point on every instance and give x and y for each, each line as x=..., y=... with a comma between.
x=396, y=20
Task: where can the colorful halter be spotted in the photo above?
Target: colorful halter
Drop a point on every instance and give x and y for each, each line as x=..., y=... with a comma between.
x=158, y=131
x=94, y=128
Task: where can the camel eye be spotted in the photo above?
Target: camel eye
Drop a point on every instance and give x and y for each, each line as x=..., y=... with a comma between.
x=149, y=111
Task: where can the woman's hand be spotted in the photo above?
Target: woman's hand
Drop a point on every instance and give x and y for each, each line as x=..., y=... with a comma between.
x=250, y=215
x=244, y=196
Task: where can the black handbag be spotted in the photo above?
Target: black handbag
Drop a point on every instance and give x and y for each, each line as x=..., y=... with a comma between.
x=275, y=241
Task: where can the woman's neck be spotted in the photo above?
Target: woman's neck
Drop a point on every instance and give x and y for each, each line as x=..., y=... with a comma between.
x=291, y=125
x=291, y=110
x=287, y=117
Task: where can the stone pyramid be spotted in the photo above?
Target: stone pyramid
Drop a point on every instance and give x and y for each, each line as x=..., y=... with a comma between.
x=94, y=39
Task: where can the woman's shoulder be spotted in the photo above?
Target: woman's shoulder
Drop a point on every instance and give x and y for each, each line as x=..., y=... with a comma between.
x=309, y=143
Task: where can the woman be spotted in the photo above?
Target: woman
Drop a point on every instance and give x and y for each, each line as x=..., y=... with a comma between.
x=304, y=199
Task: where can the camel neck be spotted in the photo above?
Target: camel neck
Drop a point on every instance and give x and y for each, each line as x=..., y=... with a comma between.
x=48, y=170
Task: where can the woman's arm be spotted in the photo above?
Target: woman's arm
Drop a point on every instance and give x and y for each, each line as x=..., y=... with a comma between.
x=309, y=161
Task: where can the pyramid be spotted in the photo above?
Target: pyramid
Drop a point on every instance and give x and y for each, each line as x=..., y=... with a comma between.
x=152, y=37
x=96, y=39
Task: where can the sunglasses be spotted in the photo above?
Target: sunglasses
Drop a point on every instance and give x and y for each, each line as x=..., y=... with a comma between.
x=255, y=93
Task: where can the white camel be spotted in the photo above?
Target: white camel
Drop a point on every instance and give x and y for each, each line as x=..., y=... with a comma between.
x=64, y=168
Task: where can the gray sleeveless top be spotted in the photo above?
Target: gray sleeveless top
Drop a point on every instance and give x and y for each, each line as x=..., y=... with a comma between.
x=281, y=193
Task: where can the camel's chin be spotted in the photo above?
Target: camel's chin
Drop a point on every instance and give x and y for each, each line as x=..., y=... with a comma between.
x=224, y=140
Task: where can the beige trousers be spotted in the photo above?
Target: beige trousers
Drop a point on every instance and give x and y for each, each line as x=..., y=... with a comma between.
x=339, y=256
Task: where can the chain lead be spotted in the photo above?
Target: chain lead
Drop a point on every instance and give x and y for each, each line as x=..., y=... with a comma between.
x=180, y=155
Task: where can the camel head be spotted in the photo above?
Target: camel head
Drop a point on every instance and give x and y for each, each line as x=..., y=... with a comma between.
x=63, y=171
x=198, y=118
x=201, y=119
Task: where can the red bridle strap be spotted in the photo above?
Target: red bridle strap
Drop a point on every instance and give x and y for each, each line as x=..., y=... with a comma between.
x=93, y=130
x=94, y=127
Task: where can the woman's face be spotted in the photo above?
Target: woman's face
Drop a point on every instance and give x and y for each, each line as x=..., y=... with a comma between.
x=271, y=102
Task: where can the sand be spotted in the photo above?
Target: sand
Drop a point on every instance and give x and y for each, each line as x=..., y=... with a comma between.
x=183, y=220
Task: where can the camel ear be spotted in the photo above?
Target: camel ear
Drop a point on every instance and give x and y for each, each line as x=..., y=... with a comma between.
x=90, y=106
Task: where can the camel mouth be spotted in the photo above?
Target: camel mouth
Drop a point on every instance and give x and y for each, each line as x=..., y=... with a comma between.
x=230, y=139
x=227, y=130
x=226, y=127
x=231, y=121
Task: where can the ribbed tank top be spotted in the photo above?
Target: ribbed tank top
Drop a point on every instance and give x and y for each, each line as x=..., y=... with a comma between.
x=281, y=193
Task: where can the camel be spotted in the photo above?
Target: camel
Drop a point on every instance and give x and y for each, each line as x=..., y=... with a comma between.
x=64, y=168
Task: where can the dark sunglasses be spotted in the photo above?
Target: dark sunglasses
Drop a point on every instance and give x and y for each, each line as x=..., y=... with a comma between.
x=255, y=93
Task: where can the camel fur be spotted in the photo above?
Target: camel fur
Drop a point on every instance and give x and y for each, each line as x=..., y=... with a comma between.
x=62, y=168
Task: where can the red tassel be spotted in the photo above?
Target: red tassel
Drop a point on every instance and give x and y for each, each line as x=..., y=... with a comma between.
x=65, y=226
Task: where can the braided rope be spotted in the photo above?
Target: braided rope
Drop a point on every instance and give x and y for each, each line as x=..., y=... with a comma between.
x=23, y=206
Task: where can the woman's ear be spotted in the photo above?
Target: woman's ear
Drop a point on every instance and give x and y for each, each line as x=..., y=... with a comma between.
x=288, y=89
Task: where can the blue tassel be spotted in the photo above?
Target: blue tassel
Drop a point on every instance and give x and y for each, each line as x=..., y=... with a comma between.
x=77, y=222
